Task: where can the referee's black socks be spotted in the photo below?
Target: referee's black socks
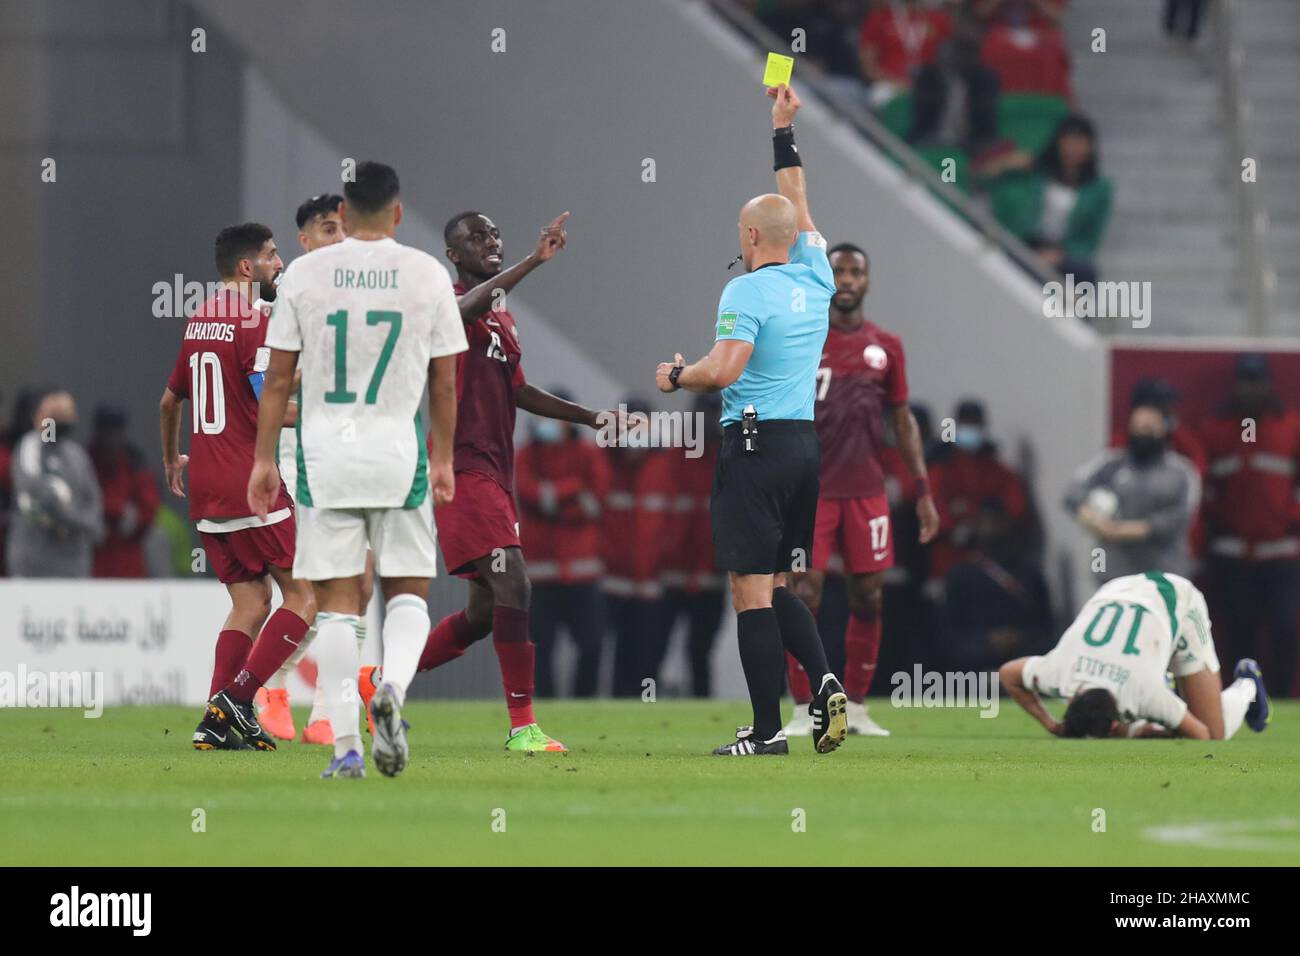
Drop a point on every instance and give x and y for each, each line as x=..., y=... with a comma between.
x=800, y=636
x=763, y=658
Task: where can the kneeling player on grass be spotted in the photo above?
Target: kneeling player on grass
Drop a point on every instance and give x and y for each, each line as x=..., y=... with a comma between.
x=220, y=370
x=1110, y=664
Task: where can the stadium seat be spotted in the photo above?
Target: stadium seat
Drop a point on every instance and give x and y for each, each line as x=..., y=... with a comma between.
x=897, y=115
x=1030, y=118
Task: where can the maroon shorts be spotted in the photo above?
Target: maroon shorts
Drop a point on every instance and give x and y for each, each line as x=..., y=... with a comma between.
x=858, y=530
x=480, y=519
x=247, y=554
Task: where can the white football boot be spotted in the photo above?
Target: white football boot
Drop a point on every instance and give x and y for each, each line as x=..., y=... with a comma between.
x=861, y=723
x=801, y=723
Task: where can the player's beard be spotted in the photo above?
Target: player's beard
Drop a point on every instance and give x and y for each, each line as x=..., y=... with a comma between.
x=841, y=306
x=266, y=290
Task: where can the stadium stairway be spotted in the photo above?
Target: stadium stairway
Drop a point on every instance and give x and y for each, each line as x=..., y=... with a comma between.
x=1269, y=32
x=1157, y=109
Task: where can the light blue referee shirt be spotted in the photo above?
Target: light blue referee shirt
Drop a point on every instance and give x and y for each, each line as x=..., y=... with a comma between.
x=784, y=310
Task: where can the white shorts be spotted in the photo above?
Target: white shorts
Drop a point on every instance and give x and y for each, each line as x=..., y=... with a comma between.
x=332, y=542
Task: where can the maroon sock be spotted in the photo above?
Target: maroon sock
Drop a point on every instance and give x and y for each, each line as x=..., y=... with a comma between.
x=800, y=689
x=861, y=650
x=448, y=640
x=279, y=638
x=517, y=656
x=232, y=650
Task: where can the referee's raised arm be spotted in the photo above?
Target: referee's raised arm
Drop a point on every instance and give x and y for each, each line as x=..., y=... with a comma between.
x=789, y=167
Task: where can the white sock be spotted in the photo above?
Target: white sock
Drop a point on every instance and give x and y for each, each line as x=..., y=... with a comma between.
x=343, y=744
x=406, y=628
x=336, y=676
x=317, y=701
x=1237, y=698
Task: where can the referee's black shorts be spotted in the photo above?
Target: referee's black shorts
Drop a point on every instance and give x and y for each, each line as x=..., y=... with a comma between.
x=764, y=503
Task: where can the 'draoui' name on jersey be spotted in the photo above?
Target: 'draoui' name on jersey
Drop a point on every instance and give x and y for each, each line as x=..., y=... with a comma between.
x=366, y=318
x=1128, y=635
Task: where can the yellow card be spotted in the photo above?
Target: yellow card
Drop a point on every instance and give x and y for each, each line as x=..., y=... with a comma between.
x=778, y=69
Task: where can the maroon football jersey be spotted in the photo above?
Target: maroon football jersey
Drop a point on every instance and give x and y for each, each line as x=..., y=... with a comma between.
x=220, y=349
x=861, y=372
x=487, y=374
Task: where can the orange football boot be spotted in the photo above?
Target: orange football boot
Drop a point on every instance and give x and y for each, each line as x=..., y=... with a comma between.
x=275, y=715
x=368, y=682
x=318, y=732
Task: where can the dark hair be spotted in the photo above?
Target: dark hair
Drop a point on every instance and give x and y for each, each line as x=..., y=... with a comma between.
x=1049, y=160
x=321, y=205
x=373, y=188
x=1090, y=714
x=449, y=229
x=239, y=242
x=849, y=247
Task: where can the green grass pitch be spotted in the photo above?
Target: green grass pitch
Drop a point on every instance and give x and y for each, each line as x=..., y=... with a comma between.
x=638, y=789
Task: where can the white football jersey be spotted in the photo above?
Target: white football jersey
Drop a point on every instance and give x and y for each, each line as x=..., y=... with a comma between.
x=366, y=318
x=1128, y=635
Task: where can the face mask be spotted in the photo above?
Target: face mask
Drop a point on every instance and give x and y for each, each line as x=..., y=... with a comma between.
x=64, y=429
x=969, y=438
x=548, y=431
x=1145, y=448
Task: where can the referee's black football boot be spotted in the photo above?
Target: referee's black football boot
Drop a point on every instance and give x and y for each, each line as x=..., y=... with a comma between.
x=214, y=734
x=829, y=713
x=747, y=745
x=242, y=718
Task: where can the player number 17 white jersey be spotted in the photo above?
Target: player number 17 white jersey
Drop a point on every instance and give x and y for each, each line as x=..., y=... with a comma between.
x=366, y=318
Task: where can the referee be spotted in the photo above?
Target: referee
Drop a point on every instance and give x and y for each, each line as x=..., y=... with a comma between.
x=772, y=323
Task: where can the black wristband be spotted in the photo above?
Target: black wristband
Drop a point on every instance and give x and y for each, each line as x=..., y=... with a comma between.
x=784, y=152
x=674, y=375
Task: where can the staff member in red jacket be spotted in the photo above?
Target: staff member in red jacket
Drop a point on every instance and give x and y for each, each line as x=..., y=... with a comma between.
x=1252, y=518
x=965, y=474
x=690, y=576
x=130, y=498
x=633, y=530
x=560, y=481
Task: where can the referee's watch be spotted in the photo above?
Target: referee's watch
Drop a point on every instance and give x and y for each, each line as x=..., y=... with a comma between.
x=674, y=375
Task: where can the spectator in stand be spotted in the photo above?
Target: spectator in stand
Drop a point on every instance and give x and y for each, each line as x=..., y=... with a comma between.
x=130, y=497
x=1023, y=44
x=633, y=527
x=693, y=586
x=955, y=98
x=829, y=33
x=1138, y=501
x=1060, y=206
x=996, y=605
x=57, y=515
x=1182, y=19
x=560, y=481
x=965, y=474
x=898, y=38
x=1252, y=514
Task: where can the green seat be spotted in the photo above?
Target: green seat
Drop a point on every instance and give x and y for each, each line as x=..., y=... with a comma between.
x=1030, y=118
x=897, y=115
x=936, y=156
